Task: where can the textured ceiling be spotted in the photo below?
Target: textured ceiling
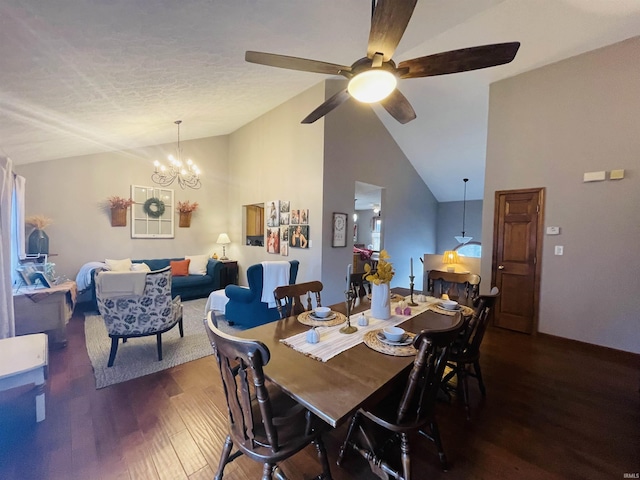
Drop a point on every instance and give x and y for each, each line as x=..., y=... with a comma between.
x=87, y=76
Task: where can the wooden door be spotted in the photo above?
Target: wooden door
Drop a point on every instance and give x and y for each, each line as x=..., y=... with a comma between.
x=517, y=251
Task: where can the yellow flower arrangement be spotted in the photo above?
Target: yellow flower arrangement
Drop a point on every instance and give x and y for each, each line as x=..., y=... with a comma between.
x=383, y=274
x=39, y=222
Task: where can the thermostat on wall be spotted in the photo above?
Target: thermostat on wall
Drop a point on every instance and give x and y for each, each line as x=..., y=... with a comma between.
x=553, y=230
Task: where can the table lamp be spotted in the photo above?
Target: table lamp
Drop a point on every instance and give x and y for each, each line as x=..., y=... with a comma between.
x=223, y=239
x=450, y=257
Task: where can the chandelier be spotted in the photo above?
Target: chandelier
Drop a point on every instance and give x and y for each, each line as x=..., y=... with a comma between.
x=187, y=174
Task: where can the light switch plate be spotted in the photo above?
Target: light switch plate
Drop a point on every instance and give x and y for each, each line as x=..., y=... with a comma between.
x=553, y=230
x=559, y=250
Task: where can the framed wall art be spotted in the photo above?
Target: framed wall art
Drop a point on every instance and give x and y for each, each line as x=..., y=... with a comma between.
x=152, y=212
x=339, y=238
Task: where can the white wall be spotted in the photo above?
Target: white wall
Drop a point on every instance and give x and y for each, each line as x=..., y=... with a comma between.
x=546, y=128
x=73, y=192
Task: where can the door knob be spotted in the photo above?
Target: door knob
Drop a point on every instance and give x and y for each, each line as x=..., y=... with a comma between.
x=500, y=267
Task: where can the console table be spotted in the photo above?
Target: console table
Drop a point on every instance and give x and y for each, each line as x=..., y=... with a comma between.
x=45, y=310
x=24, y=360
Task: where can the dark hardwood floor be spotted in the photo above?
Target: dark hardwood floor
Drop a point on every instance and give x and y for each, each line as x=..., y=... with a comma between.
x=554, y=409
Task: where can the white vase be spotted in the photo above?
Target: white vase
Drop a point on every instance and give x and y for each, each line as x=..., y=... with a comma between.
x=380, y=301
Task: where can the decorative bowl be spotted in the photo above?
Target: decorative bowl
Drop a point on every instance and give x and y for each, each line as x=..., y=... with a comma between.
x=393, y=334
x=322, y=311
x=449, y=304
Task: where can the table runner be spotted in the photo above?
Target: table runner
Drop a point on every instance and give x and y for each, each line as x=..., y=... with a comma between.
x=332, y=342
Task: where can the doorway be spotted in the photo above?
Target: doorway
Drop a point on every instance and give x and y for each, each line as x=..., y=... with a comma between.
x=368, y=226
x=517, y=254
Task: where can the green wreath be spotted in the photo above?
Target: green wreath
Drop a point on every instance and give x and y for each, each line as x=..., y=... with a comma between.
x=154, y=207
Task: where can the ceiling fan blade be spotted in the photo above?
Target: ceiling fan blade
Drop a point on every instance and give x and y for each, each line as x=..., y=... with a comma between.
x=462, y=60
x=399, y=107
x=335, y=101
x=295, y=63
x=390, y=20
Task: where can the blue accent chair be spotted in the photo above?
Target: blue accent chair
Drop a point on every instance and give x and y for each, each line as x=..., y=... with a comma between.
x=245, y=308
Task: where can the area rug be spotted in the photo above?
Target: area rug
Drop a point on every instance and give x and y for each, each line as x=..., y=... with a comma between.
x=139, y=356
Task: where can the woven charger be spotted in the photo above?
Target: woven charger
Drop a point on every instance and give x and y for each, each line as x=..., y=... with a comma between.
x=372, y=341
x=305, y=319
x=466, y=311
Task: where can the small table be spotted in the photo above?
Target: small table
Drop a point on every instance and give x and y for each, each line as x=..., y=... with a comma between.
x=23, y=360
x=45, y=310
x=229, y=273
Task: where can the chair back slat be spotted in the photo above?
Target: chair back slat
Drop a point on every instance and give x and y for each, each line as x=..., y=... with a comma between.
x=479, y=321
x=462, y=287
x=420, y=393
x=241, y=367
x=288, y=297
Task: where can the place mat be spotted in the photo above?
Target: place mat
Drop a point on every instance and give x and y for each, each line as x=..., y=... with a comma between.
x=372, y=341
x=466, y=311
x=305, y=319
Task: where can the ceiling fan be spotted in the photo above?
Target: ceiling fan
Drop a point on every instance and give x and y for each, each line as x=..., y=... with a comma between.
x=374, y=78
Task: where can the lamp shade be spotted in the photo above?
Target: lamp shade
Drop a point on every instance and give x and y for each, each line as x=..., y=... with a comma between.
x=450, y=256
x=223, y=239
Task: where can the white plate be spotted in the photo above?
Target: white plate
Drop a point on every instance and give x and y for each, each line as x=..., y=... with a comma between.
x=313, y=316
x=457, y=307
x=407, y=340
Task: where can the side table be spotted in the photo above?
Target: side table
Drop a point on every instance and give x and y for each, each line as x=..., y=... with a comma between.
x=24, y=360
x=39, y=310
x=229, y=273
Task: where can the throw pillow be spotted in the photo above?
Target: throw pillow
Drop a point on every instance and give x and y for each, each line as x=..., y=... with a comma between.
x=179, y=268
x=198, y=265
x=140, y=267
x=123, y=265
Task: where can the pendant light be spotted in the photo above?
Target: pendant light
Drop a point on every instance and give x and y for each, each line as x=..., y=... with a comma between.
x=463, y=239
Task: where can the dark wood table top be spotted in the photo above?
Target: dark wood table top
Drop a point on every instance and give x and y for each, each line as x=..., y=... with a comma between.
x=333, y=390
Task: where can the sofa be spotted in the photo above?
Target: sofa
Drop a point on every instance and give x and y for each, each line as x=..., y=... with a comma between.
x=188, y=287
x=245, y=307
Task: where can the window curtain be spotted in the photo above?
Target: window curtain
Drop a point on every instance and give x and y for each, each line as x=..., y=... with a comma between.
x=18, y=236
x=12, y=241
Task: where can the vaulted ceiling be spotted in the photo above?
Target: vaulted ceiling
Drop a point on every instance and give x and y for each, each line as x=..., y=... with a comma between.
x=86, y=76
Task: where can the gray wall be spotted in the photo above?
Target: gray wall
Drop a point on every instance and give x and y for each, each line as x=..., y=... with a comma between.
x=359, y=147
x=546, y=128
x=450, y=223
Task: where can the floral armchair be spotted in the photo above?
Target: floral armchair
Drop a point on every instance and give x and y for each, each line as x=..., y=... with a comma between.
x=152, y=313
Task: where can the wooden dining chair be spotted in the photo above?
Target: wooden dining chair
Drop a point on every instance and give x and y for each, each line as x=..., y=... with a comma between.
x=265, y=424
x=405, y=411
x=360, y=285
x=461, y=287
x=465, y=350
x=288, y=297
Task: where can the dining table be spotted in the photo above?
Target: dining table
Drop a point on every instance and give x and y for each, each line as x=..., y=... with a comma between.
x=334, y=389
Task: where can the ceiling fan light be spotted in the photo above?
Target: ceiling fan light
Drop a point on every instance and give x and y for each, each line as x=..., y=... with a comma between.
x=372, y=85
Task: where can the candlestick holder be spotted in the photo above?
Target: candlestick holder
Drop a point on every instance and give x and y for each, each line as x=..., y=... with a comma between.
x=411, y=302
x=350, y=295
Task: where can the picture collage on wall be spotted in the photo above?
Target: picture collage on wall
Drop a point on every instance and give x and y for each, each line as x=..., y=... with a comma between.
x=286, y=228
